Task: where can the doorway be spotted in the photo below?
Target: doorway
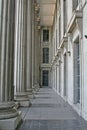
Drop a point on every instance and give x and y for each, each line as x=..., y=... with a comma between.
x=45, y=78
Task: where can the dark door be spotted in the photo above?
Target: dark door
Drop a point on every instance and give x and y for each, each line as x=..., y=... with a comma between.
x=45, y=77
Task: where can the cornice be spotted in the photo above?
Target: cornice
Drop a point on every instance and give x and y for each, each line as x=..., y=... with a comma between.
x=76, y=19
x=63, y=41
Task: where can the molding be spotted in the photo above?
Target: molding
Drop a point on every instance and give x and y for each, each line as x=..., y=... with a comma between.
x=58, y=52
x=63, y=42
x=45, y=65
x=76, y=19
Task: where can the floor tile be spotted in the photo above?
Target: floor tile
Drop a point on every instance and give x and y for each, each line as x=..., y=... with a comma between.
x=50, y=112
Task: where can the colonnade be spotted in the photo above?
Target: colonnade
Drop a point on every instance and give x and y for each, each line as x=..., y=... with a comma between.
x=18, y=59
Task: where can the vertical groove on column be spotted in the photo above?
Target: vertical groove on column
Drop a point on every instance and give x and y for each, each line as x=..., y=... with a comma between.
x=3, y=50
x=29, y=49
x=21, y=95
x=1, y=19
x=7, y=105
x=33, y=43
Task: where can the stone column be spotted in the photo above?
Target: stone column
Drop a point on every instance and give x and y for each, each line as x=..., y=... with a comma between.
x=7, y=105
x=0, y=34
x=33, y=44
x=35, y=67
x=37, y=55
x=29, y=49
x=21, y=94
x=33, y=41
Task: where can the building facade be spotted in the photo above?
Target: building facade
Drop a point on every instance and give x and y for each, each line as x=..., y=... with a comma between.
x=68, y=66
x=42, y=44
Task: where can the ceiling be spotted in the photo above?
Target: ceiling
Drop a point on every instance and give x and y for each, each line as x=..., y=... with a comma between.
x=47, y=9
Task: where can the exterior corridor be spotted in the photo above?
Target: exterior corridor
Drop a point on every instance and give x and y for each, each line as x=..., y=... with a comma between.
x=50, y=112
x=43, y=43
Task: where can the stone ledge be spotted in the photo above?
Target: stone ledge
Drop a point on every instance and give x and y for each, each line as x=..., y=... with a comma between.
x=75, y=19
x=12, y=123
x=24, y=103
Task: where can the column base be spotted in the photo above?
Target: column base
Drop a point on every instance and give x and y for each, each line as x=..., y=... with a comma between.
x=8, y=110
x=25, y=103
x=12, y=123
x=17, y=105
x=36, y=88
x=9, y=116
x=30, y=94
x=22, y=99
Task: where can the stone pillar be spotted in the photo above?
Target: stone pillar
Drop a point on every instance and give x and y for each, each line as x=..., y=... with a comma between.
x=33, y=44
x=29, y=49
x=37, y=55
x=20, y=79
x=16, y=43
x=33, y=41
x=35, y=80
x=38, y=58
x=9, y=116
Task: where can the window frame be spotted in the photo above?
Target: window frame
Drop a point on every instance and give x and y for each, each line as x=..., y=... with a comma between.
x=45, y=55
x=45, y=35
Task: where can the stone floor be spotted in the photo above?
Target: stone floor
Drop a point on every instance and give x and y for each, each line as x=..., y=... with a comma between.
x=50, y=112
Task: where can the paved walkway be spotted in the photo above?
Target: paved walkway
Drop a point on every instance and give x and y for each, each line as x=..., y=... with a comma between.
x=50, y=112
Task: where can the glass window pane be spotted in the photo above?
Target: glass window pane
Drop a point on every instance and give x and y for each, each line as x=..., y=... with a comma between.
x=45, y=77
x=45, y=35
x=45, y=55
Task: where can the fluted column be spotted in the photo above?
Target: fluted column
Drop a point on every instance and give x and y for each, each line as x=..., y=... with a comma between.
x=6, y=61
x=33, y=46
x=7, y=105
x=33, y=42
x=21, y=95
x=35, y=67
x=17, y=45
x=29, y=49
x=37, y=55
x=0, y=38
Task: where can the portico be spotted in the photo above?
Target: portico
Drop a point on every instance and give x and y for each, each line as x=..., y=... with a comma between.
x=42, y=45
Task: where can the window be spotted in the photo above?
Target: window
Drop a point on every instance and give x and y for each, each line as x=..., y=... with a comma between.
x=45, y=55
x=45, y=77
x=45, y=35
